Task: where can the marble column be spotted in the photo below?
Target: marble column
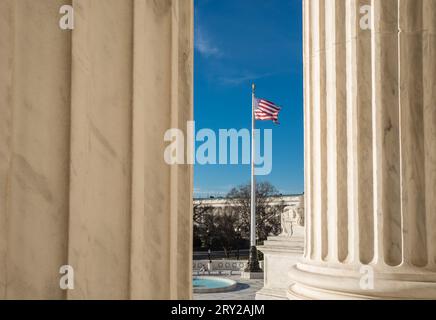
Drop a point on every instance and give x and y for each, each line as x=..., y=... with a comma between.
x=370, y=156
x=83, y=180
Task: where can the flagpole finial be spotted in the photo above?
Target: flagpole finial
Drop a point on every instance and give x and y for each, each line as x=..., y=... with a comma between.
x=253, y=86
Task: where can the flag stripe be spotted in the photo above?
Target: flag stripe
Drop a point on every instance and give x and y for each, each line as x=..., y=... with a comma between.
x=263, y=107
x=267, y=110
x=265, y=117
x=270, y=104
x=261, y=115
x=259, y=112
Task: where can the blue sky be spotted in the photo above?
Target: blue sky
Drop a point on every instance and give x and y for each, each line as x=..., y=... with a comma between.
x=238, y=42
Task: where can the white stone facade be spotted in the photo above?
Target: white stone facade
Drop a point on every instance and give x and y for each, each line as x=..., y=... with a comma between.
x=219, y=204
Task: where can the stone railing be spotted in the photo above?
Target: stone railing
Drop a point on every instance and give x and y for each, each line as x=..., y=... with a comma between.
x=219, y=266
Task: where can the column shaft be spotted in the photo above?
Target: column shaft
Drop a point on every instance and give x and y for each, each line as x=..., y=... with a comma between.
x=83, y=114
x=429, y=110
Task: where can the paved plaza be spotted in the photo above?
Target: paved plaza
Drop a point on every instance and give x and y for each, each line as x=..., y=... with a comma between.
x=245, y=290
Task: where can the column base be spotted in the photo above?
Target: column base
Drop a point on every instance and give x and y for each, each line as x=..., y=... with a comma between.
x=325, y=281
x=271, y=294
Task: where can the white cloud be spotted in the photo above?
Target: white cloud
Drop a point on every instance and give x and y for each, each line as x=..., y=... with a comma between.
x=220, y=191
x=203, y=42
x=204, y=45
x=237, y=80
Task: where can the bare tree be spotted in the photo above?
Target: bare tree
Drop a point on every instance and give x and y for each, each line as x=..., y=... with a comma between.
x=228, y=229
x=217, y=231
x=201, y=214
x=200, y=211
x=225, y=233
x=267, y=213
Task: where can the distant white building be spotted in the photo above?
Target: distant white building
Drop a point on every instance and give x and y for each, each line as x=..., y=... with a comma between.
x=219, y=204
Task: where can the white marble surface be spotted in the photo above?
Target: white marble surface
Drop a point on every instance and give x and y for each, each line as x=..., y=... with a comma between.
x=280, y=254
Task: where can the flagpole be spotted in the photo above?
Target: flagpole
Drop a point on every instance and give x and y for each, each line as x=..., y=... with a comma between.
x=253, y=262
x=253, y=177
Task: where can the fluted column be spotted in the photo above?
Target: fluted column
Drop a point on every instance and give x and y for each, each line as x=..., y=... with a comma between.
x=83, y=180
x=370, y=125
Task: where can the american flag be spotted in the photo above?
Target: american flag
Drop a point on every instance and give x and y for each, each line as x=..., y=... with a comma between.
x=266, y=110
